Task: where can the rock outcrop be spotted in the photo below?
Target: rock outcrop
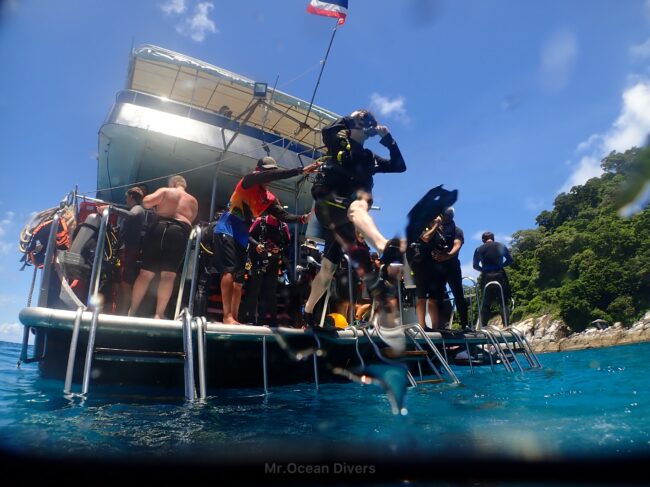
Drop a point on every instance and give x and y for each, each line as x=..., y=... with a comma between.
x=547, y=334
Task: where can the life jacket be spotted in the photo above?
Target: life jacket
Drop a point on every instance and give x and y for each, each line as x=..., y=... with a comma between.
x=35, y=234
x=281, y=227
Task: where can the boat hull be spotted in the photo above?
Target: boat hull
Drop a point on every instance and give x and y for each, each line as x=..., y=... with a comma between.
x=234, y=353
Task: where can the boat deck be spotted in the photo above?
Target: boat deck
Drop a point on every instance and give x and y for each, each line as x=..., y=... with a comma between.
x=58, y=319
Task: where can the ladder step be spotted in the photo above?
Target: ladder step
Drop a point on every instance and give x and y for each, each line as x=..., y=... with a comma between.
x=138, y=359
x=429, y=381
x=124, y=354
x=408, y=354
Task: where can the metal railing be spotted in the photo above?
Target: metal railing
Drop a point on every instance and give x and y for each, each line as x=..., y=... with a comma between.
x=49, y=261
x=67, y=387
x=352, y=302
x=188, y=351
x=195, y=236
x=472, y=297
x=413, y=331
x=96, y=272
x=494, y=329
x=526, y=348
x=504, y=310
x=201, y=325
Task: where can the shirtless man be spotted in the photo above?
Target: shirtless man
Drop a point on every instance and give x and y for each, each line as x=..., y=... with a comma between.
x=164, y=245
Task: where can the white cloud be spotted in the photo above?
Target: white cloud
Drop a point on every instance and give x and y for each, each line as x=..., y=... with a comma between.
x=633, y=124
x=6, y=222
x=641, y=50
x=587, y=168
x=503, y=238
x=11, y=332
x=477, y=235
x=498, y=237
x=533, y=204
x=386, y=107
x=5, y=228
x=199, y=24
x=590, y=142
x=510, y=102
x=468, y=271
x=8, y=6
x=558, y=57
x=630, y=129
x=173, y=7
x=8, y=300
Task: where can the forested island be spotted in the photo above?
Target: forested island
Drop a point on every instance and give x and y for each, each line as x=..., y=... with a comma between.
x=586, y=262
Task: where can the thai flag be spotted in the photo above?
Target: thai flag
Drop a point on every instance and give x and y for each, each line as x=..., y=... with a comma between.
x=333, y=8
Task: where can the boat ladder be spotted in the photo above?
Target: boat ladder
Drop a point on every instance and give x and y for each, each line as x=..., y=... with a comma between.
x=416, y=351
x=525, y=348
x=517, y=344
x=186, y=356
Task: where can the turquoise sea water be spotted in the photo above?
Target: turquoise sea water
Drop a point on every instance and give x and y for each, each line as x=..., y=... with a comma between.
x=583, y=405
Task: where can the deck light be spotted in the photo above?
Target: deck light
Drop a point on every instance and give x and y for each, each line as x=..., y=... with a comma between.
x=259, y=90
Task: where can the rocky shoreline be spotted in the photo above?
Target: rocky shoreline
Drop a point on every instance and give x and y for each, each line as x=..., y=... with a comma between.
x=547, y=334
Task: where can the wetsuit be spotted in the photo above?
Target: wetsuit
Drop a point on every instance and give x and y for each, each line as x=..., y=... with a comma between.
x=490, y=260
x=263, y=277
x=418, y=256
x=346, y=172
x=448, y=271
x=164, y=245
x=249, y=200
x=130, y=236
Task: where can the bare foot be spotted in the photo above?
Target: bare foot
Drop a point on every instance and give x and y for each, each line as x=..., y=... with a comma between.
x=229, y=320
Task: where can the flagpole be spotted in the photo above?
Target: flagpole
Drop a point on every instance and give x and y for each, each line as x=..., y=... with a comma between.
x=313, y=95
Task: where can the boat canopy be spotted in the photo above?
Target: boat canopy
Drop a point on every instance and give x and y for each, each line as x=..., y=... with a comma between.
x=174, y=76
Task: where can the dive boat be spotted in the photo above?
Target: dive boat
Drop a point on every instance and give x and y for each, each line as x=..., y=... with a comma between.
x=180, y=115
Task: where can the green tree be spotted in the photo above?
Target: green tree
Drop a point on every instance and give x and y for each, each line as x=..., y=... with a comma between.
x=584, y=261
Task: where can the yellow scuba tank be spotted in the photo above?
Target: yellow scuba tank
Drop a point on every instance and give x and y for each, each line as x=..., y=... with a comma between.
x=337, y=320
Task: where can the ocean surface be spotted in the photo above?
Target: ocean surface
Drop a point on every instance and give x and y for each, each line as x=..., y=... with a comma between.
x=590, y=404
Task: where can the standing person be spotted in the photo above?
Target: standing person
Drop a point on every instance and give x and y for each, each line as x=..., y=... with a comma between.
x=164, y=244
x=490, y=260
x=447, y=240
x=132, y=227
x=268, y=242
x=343, y=196
x=421, y=262
x=249, y=200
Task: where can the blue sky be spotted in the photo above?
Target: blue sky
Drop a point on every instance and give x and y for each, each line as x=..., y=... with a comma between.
x=509, y=102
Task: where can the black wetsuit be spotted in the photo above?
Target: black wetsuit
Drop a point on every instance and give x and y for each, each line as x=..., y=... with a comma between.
x=448, y=271
x=490, y=260
x=345, y=173
x=132, y=228
x=418, y=255
x=164, y=245
x=263, y=276
x=301, y=288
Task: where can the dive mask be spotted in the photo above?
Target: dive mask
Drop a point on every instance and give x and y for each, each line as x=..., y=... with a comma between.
x=368, y=124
